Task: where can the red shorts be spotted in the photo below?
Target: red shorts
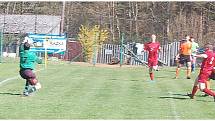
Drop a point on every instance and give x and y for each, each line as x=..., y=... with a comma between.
x=152, y=63
x=204, y=76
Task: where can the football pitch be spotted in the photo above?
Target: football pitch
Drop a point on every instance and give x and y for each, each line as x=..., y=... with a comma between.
x=81, y=91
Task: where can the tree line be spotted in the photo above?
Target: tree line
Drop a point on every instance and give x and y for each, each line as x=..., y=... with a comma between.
x=170, y=21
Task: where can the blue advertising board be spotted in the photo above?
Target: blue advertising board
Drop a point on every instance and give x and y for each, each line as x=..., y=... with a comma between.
x=53, y=43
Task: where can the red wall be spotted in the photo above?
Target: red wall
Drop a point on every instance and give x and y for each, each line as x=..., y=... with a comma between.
x=73, y=49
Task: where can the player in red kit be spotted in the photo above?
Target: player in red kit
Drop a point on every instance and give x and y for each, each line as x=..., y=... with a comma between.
x=153, y=48
x=205, y=72
x=212, y=76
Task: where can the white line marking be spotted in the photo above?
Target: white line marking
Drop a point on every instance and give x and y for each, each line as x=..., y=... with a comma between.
x=15, y=77
x=8, y=79
x=173, y=108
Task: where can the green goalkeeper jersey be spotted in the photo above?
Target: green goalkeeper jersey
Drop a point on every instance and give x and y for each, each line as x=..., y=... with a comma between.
x=27, y=58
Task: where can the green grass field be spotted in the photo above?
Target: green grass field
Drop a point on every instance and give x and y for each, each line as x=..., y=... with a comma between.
x=72, y=91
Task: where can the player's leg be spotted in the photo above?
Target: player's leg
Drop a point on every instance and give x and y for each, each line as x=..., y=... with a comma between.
x=188, y=70
x=195, y=89
x=177, y=70
x=208, y=83
x=202, y=84
x=153, y=66
x=151, y=74
x=202, y=87
x=33, y=86
x=207, y=86
x=27, y=84
x=36, y=83
x=24, y=75
x=193, y=66
x=150, y=66
x=179, y=65
x=33, y=82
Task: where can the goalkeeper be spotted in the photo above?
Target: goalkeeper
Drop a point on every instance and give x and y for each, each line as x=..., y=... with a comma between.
x=27, y=65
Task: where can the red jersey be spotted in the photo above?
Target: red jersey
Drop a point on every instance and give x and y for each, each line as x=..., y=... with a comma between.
x=209, y=62
x=152, y=48
x=207, y=67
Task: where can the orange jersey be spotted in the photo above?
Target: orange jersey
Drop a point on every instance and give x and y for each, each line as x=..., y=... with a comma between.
x=185, y=48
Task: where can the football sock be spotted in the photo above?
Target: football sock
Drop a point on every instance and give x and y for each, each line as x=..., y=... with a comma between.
x=188, y=72
x=31, y=89
x=209, y=92
x=177, y=72
x=26, y=87
x=195, y=88
x=151, y=76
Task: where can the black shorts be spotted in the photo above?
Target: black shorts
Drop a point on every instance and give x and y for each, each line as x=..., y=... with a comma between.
x=184, y=58
x=27, y=74
x=212, y=76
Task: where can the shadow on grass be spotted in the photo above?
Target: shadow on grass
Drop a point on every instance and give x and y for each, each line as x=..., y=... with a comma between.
x=134, y=80
x=7, y=93
x=180, y=94
x=184, y=97
x=176, y=96
x=179, y=98
x=161, y=77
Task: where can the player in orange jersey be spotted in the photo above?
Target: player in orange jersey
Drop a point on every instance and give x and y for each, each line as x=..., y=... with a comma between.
x=184, y=56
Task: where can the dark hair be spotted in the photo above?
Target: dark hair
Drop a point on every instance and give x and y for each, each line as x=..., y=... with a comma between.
x=190, y=38
x=26, y=46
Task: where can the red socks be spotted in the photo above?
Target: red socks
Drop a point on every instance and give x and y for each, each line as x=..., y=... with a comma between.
x=151, y=76
x=209, y=92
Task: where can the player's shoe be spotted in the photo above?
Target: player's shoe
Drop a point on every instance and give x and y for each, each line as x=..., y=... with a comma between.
x=190, y=95
x=25, y=94
x=175, y=77
x=188, y=77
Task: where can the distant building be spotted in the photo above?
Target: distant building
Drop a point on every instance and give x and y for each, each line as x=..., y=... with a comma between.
x=30, y=24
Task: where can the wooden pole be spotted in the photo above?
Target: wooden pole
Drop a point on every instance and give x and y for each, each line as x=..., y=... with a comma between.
x=62, y=18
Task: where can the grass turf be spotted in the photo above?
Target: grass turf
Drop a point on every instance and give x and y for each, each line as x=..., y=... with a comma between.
x=71, y=91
